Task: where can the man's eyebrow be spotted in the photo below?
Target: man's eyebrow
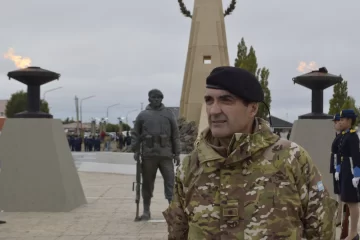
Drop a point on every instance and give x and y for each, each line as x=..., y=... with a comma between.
x=226, y=96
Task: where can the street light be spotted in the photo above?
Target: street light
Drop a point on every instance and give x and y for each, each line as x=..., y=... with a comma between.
x=107, y=110
x=50, y=90
x=81, y=100
x=120, y=124
x=127, y=114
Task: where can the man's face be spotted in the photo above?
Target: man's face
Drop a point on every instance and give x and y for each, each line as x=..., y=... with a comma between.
x=155, y=100
x=227, y=114
x=337, y=125
x=344, y=123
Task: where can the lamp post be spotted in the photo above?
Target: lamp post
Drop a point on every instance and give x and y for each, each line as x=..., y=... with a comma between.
x=127, y=114
x=50, y=90
x=81, y=100
x=107, y=109
x=120, y=124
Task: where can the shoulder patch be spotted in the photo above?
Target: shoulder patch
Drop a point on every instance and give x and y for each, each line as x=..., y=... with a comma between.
x=320, y=186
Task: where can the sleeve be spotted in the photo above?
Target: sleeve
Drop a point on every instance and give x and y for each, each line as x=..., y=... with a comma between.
x=332, y=162
x=136, y=134
x=337, y=162
x=318, y=208
x=175, y=215
x=355, y=154
x=175, y=135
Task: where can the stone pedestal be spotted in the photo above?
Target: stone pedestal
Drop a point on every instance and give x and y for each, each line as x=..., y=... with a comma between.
x=316, y=136
x=38, y=173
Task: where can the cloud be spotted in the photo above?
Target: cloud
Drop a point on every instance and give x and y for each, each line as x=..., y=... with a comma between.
x=119, y=50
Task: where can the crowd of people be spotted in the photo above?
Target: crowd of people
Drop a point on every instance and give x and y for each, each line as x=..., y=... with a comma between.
x=98, y=142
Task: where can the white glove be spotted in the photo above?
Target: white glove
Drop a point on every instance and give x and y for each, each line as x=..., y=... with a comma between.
x=337, y=176
x=355, y=181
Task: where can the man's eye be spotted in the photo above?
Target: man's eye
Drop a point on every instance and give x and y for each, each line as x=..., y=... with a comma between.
x=208, y=100
x=227, y=100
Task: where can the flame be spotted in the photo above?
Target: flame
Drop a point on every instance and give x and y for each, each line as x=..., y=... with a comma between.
x=303, y=66
x=20, y=62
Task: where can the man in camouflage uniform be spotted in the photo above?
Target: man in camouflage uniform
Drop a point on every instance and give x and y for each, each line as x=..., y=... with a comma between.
x=156, y=133
x=242, y=181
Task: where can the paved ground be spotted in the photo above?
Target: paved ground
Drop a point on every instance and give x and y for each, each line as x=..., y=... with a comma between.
x=109, y=215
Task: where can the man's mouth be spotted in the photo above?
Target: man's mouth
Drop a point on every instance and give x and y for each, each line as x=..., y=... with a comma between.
x=219, y=121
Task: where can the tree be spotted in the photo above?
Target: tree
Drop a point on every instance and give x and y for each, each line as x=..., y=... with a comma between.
x=263, y=75
x=248, y=60
x=68, y=120
x=18, y=103
x=115, y=127
x=349, y=103
x=339, y=96
x=242, y=52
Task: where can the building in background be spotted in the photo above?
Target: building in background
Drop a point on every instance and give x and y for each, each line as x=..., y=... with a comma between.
x=71, y=127
x=2, y=113
x=3, y=107
x=278, y=125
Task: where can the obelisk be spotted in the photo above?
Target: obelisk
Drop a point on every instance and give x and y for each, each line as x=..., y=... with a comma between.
x=207, y=50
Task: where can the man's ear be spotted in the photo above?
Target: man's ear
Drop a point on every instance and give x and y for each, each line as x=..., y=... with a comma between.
x=254, y=107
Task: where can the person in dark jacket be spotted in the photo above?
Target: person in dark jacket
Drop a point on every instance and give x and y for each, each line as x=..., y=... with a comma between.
x=288, y=135
x=128, y=139
x=78, y=143
x=97, y=144
x=86, y=144
x=121, y=141
x=90, y=143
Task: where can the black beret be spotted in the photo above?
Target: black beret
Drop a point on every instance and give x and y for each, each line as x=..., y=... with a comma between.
x=237, y=81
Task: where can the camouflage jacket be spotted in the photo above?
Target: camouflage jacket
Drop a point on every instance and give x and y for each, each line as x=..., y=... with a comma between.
x=156, y=132
x=267, y=188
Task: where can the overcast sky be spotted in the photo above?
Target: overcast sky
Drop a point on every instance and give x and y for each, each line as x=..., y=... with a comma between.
x=118, y=50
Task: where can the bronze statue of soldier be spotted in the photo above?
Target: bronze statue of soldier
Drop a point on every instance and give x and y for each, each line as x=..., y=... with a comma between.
x=156, y=137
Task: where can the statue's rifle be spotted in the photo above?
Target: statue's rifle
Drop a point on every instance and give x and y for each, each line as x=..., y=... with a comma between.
x=137, y=185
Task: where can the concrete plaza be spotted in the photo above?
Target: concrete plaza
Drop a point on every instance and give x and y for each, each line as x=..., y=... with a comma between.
x=109, y=215
x=107, y=182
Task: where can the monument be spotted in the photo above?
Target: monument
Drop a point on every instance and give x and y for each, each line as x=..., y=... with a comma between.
x=38, y=173
x=207, y=49
x=315, y=131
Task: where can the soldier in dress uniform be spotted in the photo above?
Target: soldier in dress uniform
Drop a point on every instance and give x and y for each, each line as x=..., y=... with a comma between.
x=348, y=168
x=78, y=143
x=91, y=143
x=97, y=143
x=242, y=181
x=86, y=143
x=333, y=163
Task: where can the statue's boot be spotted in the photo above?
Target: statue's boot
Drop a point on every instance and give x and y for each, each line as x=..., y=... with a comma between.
x=146, y=214
x=169, y=200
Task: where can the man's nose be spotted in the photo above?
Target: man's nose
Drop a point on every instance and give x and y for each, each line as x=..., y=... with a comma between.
x=214, y=109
